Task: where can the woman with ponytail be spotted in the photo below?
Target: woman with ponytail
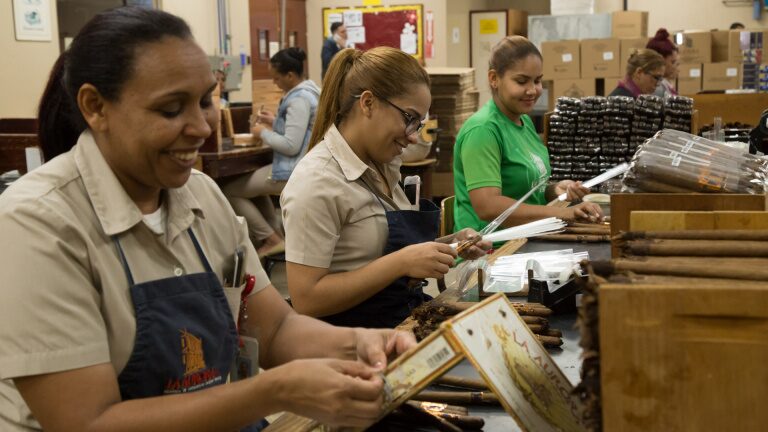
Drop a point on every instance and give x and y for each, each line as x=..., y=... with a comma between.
x=356, y=249
x=664, y=46
x=119, y=302
x=289, y=139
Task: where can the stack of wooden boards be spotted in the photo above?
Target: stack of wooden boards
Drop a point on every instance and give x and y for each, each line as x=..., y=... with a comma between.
x=454, y=99
x=675, y=332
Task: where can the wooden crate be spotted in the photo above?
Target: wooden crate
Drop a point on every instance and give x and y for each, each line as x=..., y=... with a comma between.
x=622, y=206
x=680, y=357
x=686, y=221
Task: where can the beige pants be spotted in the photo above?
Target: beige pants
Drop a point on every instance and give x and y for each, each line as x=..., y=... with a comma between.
x=249, y=195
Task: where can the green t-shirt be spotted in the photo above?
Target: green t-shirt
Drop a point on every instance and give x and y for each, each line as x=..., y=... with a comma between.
x=493, y=151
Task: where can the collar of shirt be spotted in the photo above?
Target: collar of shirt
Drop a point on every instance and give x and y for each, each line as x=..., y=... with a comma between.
x=115, y=210
x=351, y=165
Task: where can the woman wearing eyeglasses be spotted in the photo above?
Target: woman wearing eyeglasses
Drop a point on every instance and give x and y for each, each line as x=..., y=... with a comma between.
x=645, y=70
x=357, y=250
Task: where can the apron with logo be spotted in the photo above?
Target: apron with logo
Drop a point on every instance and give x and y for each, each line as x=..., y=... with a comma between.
x=185, y=334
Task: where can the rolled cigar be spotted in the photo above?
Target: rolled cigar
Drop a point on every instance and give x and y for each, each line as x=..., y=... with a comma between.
x=462, y=382
x=465, y=398
x=731, y=268
x=536, y=328
x=553, y=332
x=593, y=231
x=463, y=421
x=549, y=341
x=756, y=235
x=528, y=319
x=580, y=238
x=708, y=248
x=429, y=418
x=445, y=408
x=589, y=225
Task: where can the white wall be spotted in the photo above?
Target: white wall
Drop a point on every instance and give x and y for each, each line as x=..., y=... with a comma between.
x=687, y=14
x=315, y=38
x=240, y=29
x=26, y=66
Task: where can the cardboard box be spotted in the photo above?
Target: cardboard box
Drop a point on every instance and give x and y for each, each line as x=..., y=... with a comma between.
x=720, y=46
x=679, y=356
x=562, y=59
x=629, y=24
x=721, y=76
x=600, y=58
x=627, y=46
x=517, y=22
x=609, y=84
x=577, y=88
x=746, y=46
x=689, y=79
x=695, y=47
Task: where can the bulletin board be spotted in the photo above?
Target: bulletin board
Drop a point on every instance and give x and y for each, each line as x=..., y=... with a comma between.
x=368, y=27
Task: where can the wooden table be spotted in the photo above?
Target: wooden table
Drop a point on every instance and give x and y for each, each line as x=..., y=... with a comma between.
x=234, y=160
x=423, y=169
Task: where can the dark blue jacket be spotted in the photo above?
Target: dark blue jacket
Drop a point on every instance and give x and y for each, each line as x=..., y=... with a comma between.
x=329, y=50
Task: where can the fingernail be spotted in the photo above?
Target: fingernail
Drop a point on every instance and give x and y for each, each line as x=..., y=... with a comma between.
x=378, y=365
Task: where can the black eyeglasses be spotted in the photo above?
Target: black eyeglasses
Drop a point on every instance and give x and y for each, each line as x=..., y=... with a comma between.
x=413, y=124
x=657, y=77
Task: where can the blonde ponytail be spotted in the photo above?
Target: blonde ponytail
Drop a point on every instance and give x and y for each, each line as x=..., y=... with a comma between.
x=329, y=106
x=386, y=72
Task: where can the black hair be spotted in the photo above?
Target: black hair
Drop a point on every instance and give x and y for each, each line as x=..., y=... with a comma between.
x=737, y=26
x=289, y=60
x=334, y=26
x=102, y=54
x=509, y=51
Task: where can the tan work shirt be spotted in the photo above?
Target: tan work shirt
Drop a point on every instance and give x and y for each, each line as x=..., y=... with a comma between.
x=332, y=220
x=65, y=301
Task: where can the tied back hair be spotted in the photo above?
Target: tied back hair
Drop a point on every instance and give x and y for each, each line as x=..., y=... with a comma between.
x=102, y=54
x=384, y=71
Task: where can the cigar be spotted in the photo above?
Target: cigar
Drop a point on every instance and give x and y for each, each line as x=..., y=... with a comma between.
x=549, y=341
x=462, y=382
x=435, y=407
x=466, y=398
x=530, y=319
x=464, y=422
x=433, y=420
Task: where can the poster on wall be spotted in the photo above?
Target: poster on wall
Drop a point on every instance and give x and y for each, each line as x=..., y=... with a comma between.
x=32, y=20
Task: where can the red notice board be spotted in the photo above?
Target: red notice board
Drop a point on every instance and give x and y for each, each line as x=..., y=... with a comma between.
x=399, y=26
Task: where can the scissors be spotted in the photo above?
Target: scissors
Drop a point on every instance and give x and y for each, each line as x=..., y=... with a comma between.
x=491, y=227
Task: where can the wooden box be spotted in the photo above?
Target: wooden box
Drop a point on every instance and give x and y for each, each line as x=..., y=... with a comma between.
x=687, y=357
x=622, y=206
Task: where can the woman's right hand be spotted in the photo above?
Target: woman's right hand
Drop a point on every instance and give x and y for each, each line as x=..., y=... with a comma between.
x=584, y=212
x=265, y=117
x=426, y=260
x=335, y=392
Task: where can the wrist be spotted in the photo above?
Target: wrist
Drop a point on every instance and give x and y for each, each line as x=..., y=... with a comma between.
x=269, y=382
x=397, y=263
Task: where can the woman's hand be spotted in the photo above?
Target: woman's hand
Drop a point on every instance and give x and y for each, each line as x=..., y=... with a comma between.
x=478, y=250
x=426, y=260
x=377, y=347
x=257, y=128
x=584, y=212
x=266, y=117
x=574, y=190
x=335, y=392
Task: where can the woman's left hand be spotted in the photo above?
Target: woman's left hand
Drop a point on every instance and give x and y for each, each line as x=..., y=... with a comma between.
x=378, y=346
x=574, y=190
x=478, y=250
x=257, y=128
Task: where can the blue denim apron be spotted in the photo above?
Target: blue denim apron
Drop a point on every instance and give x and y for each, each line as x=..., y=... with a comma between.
x=185, y=334
x=390, y=306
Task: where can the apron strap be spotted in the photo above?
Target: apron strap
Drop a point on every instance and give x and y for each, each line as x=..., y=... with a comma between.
x=127, y=268
x=123, y=260
x=376, y=193
x=200, y=253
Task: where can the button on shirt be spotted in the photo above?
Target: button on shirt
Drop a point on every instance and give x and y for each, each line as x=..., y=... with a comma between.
x=65, y=301
x=332, y=220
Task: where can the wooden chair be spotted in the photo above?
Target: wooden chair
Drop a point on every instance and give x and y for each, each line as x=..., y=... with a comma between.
x=446, y=215
x=446, y=227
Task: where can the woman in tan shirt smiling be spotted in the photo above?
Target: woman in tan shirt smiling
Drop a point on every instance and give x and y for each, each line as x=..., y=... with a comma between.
x=115, y=313
x=357, y=249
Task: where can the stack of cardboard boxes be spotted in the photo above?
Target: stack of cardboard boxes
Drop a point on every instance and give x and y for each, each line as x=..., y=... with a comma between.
x=593, y=66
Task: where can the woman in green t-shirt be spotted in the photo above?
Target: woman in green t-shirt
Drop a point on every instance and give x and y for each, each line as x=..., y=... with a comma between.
x=498, y=155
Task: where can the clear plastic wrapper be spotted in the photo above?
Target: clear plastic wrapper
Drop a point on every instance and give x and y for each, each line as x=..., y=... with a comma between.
x=675, y=161
x=509, y=274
